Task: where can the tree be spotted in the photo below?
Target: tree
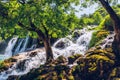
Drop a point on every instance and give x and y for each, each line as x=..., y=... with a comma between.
x=41, y=17
x=116, y=22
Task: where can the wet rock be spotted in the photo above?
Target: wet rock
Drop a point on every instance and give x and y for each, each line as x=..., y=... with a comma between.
x=62, y=43
x=72, y=59
x=11, y=59
x=21, y=65
x=97, y=65
x=76, y=34
x=60, y=60
x=32, y=54
x=12, y=77
x=6, y=64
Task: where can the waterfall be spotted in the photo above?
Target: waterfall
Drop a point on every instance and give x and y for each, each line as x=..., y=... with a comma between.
x=107, y=42
x=67, y=47
x=33, y=59
x=11, y=44
x=25, y=44
x=17, y=45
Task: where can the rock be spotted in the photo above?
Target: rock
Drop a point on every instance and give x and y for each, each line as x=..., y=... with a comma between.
x=13, y=77
x=97, y=65
x=21, y=65
x=6, y=64
x=76, y=34
x=60, y=45
x=32, y=54
x=115, y=74
x=72, y=59
x=49, y=72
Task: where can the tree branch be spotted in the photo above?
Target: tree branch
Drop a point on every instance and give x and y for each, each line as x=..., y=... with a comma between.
x=46, y=31
x=32, y=25
x=23, y=26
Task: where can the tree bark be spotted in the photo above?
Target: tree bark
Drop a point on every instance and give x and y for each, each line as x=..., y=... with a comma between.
x=47, y=45
x=48, y=49
x=116, y=22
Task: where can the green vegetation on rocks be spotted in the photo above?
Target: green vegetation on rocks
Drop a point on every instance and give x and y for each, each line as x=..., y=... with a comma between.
x=97, y=65
x=97, y=37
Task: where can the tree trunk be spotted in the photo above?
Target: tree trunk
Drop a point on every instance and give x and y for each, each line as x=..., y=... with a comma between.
x=48, y=49
x=116, y=22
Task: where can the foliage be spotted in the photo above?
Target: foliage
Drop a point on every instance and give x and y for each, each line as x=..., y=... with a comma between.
x=50, y=13
x=97, y=17
x=107, y=23
x=97, y=37
x=92, y=19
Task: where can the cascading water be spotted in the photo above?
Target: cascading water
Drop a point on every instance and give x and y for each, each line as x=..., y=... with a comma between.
x=66, y=47
x=33, y=59
x=25, y=44
x=17, y=45
x=107, y=42
x=11, y=44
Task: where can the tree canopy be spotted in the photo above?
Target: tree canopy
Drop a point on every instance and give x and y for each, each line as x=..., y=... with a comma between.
x=56, y=16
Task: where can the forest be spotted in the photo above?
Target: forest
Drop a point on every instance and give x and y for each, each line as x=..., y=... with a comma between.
x=46, y=40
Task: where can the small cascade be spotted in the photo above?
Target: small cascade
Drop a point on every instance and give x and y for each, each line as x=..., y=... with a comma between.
x=67, y=47
x=33, y=59
x=18, y=48
x=25, y=44
x=17, y=45
x=107, y=42
x=25, y=62
x=11, y=44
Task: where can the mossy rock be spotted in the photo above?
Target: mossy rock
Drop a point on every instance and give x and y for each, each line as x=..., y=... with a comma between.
x=59, y=60
x=108, y=52
x=97, y=65
x=73, y=58
x=4, y=65
x=56, y=70
x=115, y=74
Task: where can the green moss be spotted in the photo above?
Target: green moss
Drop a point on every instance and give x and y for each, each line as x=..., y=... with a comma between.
x=2, y=64
x=95, y=66
x=97, y=37
x=113, y=73
x=71, y=59
x=71, y=78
